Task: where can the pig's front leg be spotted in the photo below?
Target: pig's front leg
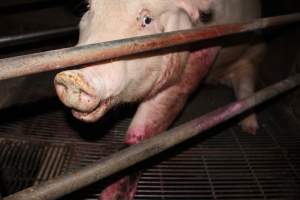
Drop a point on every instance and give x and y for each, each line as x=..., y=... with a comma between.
x=155, y=115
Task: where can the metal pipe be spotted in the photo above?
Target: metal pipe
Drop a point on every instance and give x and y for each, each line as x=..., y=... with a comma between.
x=121, y=160
x=36, y=37
x=23, y=2
x=12, y=7
x=59, y=59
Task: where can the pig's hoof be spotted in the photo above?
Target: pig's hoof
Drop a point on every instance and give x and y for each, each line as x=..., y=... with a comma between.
x=250, y=124
x=124, y=189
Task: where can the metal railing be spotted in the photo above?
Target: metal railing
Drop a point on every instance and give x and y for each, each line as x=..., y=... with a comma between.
x=15, y=40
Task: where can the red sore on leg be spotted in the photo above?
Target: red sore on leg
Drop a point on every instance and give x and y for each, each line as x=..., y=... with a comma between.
x=136, y=135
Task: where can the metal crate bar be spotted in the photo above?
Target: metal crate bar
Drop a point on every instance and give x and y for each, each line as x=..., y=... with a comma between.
x=17, y=6
x=63, y=58
x=36, y=37
x=121, y=160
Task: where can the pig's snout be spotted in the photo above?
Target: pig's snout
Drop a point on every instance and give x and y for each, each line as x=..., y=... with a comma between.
x=75, y=92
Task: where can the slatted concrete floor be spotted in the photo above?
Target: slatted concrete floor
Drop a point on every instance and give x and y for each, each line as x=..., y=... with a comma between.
x=42, y=140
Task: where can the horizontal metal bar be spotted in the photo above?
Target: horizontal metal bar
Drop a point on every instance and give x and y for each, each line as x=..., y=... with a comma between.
x=36, y=37
x=121, y=160
x=59, y=59
x=12, y=7
x=20, y=2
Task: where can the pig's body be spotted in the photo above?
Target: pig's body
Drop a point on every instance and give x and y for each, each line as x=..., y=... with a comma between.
x=161, y=82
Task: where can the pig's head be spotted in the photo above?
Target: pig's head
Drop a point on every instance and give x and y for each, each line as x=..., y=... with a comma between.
x=90, y=92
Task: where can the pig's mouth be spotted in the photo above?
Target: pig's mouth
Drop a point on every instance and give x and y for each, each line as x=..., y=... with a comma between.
x=93, y=116
x=77, y=94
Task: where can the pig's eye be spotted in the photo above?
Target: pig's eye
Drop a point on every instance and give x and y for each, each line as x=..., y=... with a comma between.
x=145, y=18
x=146, y=21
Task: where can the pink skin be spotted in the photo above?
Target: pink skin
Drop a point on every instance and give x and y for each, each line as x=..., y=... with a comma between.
x=124, y=189
x=161, y=82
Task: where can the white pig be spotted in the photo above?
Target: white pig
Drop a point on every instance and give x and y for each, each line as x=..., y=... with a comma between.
x=161, y=82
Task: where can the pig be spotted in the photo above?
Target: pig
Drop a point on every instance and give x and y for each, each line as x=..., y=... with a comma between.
x=161, y=82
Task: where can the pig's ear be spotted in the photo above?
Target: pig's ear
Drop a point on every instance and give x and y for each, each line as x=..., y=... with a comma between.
x=176, y=20
x=190, y=8
x=194, y=7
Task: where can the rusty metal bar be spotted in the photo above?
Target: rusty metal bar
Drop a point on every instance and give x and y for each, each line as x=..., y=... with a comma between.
x=69, y=183
x=59, y=59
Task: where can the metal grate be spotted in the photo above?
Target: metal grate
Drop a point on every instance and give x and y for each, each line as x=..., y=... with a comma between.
x=23, y=163
x=222, y=164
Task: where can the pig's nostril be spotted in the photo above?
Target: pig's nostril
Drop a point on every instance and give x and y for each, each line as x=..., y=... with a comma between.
x=88, y=99
x=74, y=92
x=60, y=89
x=68, y=95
